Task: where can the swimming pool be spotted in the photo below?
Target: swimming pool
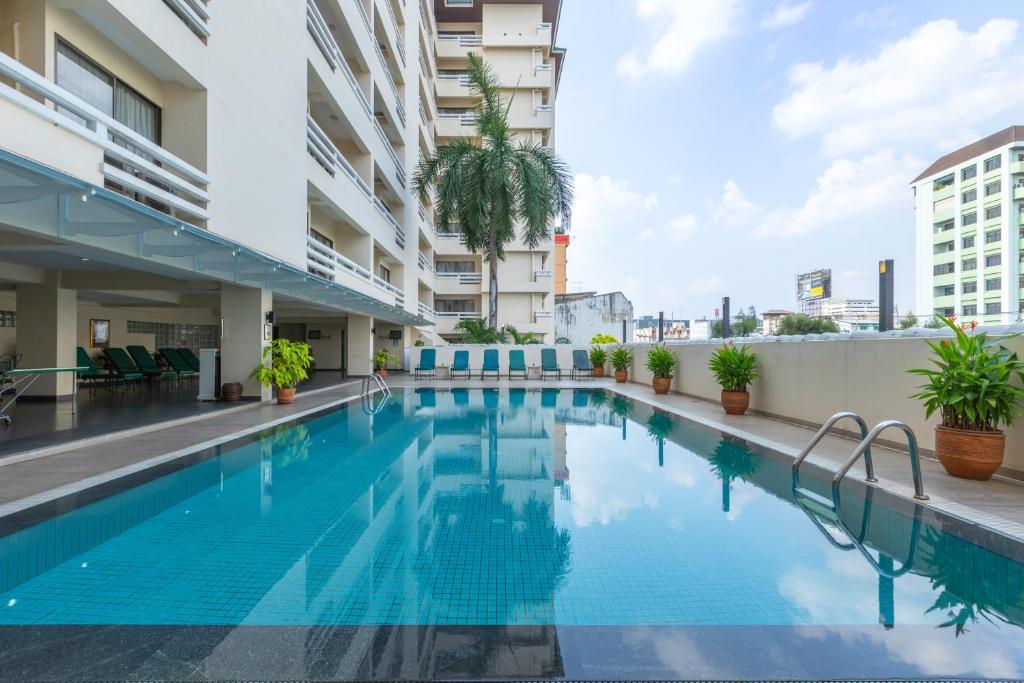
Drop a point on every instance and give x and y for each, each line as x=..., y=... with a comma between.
x=484, y=533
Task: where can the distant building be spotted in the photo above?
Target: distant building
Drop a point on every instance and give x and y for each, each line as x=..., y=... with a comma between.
x=701, y=329
x=852, y=309
x=561, y=262
x=674, y=330
x=580, y=316
x=772, y=319
x=857, y=325
x=811, y=289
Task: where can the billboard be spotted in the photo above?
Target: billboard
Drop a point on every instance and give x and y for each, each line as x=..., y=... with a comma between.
x=814, y=285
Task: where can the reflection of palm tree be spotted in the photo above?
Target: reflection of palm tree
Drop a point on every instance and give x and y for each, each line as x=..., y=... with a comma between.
x=732, y=461
x=598, y=398
x=291, y=445
x=621, y=407
x=659, y=427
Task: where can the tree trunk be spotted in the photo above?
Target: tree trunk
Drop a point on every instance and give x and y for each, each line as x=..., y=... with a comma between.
x=492, y=294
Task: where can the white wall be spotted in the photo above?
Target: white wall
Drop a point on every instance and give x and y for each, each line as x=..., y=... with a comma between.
x=579, y=320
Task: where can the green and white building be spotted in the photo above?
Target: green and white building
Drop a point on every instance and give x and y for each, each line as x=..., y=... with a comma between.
x=969, y=218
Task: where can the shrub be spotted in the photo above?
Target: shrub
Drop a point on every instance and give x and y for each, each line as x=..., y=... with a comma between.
x=734, y=367
x=976, y=383
x=475, y=331
x=603, y=339
x=661, y=362
x=598, y=357
x=289, y=364
x=383, y=359
x=798, y=323
x=622, y=358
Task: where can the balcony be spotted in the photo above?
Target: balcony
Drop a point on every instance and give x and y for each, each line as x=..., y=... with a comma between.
x=424, y=263
x=541, y=315
x=392, y=31
x=453, y=85
x=383, y=211
x=447, y=320
x=539, y=274
x=329, y=264
x=392, y=87
x=467, y=284
x=538, y=35
x=392, y=155
x=327, y=155
x=1018, y=192
x=129, y=160
x=328, y=47
x=425, y=310
x=458, y=124
x=455, y=46
x=1016, y=167
x=194, y=13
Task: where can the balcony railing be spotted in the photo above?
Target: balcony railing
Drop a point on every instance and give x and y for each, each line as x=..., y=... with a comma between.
x=391, y=82
x=388, y=287
x=383, y=210
x=463, y=79
x=131, y=161
x=541, y=273
x=328, y=156
x=425, y=310
x=464, y=118
x=542, y=314
x=459, y=315
x=463, y=40
x=462, y=278
x=194, y=13
x=543, y=109
x=365, y=18
x=399, y=38
x=324, y=40
x=392, y=154
x=424, y=263
x=328, y=263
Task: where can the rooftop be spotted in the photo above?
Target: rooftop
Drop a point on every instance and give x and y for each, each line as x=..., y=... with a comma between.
x=1006, y=136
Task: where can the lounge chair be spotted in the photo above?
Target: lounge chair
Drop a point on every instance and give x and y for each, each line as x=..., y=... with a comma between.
x=10, y=361
x=189, y=357
x=146, y=363
x=516, y=363
x=581, y=366
x=460, y=364
x=426, y=368
x=177, y=363
x=490, y=364
x=123, y=367
x=549, y=364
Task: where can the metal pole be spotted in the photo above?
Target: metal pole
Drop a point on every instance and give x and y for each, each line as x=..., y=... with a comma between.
x=726, y=332
x=624, y=340
x=661, y=326
x=885, y=295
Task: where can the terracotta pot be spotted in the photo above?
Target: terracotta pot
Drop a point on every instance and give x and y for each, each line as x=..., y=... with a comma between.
x=662, y=384
x=382, y=373
x=735, y=402
x=231, y=392
x=285, y=396
x=598, y=371
x=621, y=376
x=969, y=454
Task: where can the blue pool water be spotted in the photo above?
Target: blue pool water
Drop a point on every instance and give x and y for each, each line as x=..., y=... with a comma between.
x=497, y=508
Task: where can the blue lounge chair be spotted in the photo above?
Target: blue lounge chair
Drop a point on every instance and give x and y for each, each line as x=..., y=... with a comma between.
x=581, y=366
x=460, y=364
x=426, y=368
x=516, y=363
x=549, y=364
x=490, y=364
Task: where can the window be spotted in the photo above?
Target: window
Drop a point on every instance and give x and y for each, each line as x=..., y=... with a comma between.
x=456, y=267
x=993, y=236
x=943, y=247
x=969, y=264
x=993, y=188
x=943, y=226
x=970, y=287
x=968, y=242
x=970, y=218
x=993, y=284
x=968, y=173
x=454, y=305
x=385, y=273
x=970, y=310
x=993, y=309
x=946, y=290
x=943, y=182
x=969, y=196
x=993, y=260
x=321, y=238
x=943, y=269
x=945, y=312
x=992, y=163
x=943, y=205
x=993, y=212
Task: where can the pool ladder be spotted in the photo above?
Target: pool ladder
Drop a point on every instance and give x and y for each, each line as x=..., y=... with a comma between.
x=863, y=449
x=368, y=383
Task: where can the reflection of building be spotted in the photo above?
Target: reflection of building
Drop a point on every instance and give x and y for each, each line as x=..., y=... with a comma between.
x=772, y=319
x=578, y=317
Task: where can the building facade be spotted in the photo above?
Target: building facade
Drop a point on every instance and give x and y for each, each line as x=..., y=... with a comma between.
x=578, y=317
x=849, y=309
x=191, y=164
x=969, y=223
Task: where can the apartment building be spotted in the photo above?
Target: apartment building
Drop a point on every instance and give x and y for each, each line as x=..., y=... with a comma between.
x=233, y=171
x=839, y=308
x=969, y=221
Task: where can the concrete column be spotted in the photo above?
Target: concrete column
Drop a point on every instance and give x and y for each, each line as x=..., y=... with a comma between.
x=359, y=344
x=47, y=333
x=244, y=311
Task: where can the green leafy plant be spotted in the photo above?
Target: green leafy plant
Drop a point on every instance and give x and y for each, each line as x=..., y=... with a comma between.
x=419, y=342
x=476, y=331
x=598, y=357
x=603, y=339
x=976, y=383
x=734, y=366
x=661, y=362
x=288, y=365
x=516, y=337
x=909, y=321
x=383, y=359
x=622, y=358
x=798, y=323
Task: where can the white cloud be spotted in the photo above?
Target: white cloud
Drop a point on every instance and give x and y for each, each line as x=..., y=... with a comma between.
x=684, y=28
x=734, y=210
x=704, y=284
x=880, y=17
x=787, y=14
x=846, y=190
x=681, y=228
x=938, y=78
x=674, y=178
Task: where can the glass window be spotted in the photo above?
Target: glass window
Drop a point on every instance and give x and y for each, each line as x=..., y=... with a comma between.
x=456, y=267
x=969, y=196
x=454, y=305
x=993, y=212
x=943, y=226
x=969, y=264
x=968, y=242
x=992, y=163
x=993, y=309
x=968, y=173
x=943, y=269
x=970, y=310
x=943, y=247
x=993, y=260
x=944, y=181
x=970, y=287
x=385, y=273
x=993, y=284
x=946, y=290
x=993, y=236
x=970, y=218
x=993, y=188
x=945, y=312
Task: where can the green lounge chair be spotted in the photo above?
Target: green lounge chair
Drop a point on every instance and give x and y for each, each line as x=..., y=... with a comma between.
x=549, y=364
x=581, y=366
x=123, y=367
x=92, y=374
x=516, y=363
x=460, y=364
x=177, y=363
x=426, y=368
x=189, y=357
x=490, y=364
x=146, y=364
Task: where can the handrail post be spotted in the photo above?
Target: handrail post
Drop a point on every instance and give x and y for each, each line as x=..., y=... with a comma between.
x=829, y=423
x=864, y=446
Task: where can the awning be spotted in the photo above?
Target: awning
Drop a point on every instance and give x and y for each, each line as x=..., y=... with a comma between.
x=42, y=201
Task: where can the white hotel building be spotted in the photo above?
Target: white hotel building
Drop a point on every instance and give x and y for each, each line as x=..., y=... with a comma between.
x=202, y=169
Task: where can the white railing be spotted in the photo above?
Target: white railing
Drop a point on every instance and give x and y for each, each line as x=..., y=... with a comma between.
x=328, y=156
x=399, y=38
x=541, y=273
x=463, y=278
x=365, y=18
x=466, y=119
x=543, y=66
x=542, y=314
x=194, y=13
x=383, y=210
x=388, y=287
x=425, y=310
x=423, y=115
x=463, y=40
x=324, y=259
x=451, y=236
x=392, y=154
x=321, y=33
x=151, y=171
x=391, y=82
x=424, y=263
x=543, y=109
x=458, y=315
x=544, y=26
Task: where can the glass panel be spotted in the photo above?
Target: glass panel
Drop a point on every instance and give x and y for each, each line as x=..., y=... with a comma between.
x=81, y=77
x=137, y=113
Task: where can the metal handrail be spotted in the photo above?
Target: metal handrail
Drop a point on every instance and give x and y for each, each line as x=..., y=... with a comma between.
x=863, y=447
x=829, y=423
x=381, y=385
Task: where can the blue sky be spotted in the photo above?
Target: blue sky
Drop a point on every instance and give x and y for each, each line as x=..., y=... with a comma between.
x=722, y=146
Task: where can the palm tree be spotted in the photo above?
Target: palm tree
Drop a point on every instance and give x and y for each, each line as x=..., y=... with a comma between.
x=518, y=337
x=483, y=189
x=476, y=331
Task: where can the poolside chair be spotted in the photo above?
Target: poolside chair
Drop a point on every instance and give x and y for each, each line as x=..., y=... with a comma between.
x=460, y=364
x=490, y=364
x=189, y=357
x=9, y=361
x=516, y=363
x=426, y=368
x=581, y=366
x=177, y=363
x=549, y=364
x=124, y=368
x=146, y=364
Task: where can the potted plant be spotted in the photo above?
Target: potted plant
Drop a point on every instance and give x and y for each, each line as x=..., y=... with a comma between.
x=661, y=362
x=288, y=365
x=622, y=360
x=598, y=357
x=734, y=368
x=975, y=387
x=382, y=359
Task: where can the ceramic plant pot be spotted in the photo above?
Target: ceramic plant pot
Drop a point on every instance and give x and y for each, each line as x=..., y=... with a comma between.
x=621, y=376
x=662, y=384
x=968, y=454
x=598, y=371
x=735, y=402
x=285, y=396
x=231, y=392
x=382, y=373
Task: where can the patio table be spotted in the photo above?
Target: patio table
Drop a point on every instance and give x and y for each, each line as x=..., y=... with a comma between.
x=22, y=378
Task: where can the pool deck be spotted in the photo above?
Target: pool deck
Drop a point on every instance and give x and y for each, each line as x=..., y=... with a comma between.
x=34, y=477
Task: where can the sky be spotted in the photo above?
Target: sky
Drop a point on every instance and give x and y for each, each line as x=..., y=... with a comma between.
x=720, y=147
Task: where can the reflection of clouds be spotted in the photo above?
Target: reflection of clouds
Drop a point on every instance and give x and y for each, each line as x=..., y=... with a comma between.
x=674, y=650
x=742, y=495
